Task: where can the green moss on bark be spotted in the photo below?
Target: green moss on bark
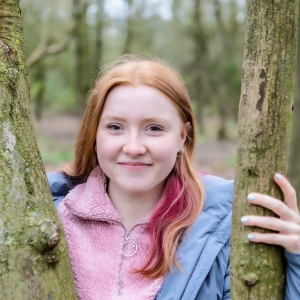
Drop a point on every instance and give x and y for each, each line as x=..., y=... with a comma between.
x=34, y=262
x=294, y=153
x=257, y=270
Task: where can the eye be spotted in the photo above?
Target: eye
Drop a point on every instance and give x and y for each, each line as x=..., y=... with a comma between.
x=155, y=128
x=114, y=127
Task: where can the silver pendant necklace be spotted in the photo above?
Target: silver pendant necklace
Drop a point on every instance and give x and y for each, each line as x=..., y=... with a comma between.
x=131, y=246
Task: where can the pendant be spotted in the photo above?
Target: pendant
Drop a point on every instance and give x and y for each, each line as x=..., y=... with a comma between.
x=132, y=247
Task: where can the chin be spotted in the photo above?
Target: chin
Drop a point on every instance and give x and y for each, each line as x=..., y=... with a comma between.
x=134, y=189
x=137, y=187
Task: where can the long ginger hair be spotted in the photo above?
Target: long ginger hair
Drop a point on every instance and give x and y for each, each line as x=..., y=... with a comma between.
x=183, y=189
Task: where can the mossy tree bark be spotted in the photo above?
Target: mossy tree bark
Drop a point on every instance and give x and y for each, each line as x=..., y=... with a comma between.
x=294, y=150
x=34, y=262
x=257, y=270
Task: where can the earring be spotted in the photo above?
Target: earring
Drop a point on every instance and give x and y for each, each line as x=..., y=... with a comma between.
x=181, y=151
x=96, y=148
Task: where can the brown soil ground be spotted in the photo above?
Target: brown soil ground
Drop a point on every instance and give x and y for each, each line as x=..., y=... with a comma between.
x=56, y=136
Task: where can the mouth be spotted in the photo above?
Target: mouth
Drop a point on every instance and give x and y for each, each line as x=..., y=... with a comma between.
x=136, y=166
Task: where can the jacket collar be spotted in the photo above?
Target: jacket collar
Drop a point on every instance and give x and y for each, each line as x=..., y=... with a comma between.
x=91, y=201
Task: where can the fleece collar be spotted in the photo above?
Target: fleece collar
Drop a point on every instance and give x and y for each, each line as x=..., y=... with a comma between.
x=91, y=201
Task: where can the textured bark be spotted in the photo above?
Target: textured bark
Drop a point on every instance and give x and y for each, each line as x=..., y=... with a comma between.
x=34, y=262
x=257, y=270
x=294, y=150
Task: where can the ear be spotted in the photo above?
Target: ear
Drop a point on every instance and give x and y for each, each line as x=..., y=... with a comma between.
x=184, y=131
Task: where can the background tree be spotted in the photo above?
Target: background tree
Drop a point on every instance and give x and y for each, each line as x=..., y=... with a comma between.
x=34, y=263
x=294, y=154
x=257, y=270
x=199, y=65
x=129, y=35
x=227, y=73
x=99, y=24
x=81, y=52
x=222, y=86
x=187, y=38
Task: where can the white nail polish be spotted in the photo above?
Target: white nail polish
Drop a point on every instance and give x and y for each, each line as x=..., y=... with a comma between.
x=244, y=219
x=250, y=237
x=250, y=197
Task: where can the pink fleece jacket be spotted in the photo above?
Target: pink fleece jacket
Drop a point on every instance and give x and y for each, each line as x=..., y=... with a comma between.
x=96, y=238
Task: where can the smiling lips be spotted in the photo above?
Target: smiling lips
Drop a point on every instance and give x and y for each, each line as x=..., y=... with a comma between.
x=137, y=166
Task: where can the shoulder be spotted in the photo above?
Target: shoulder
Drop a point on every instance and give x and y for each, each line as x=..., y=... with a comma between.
x=215, y=218
x=218, y=195
x=59, y=185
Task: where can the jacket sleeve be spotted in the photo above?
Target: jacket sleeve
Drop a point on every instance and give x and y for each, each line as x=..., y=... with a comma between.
x=292, y=290
x=59, y=186
x=226, y=290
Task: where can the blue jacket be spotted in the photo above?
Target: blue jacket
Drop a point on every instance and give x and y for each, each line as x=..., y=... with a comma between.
x=204, y=251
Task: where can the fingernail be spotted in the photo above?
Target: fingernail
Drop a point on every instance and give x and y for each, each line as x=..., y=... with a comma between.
x=250, y=197
x=250, y=237
x=278, y=176
x=244, y=219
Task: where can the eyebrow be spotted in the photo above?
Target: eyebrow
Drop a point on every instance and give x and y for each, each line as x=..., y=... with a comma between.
x=153, y=119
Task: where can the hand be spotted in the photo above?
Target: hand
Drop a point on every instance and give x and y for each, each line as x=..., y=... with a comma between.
x=288, y=223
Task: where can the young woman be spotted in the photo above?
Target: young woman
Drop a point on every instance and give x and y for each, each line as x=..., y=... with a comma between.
x=139, y=221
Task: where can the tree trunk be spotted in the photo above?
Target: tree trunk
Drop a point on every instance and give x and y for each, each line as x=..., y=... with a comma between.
x=40, y=80
x=221, y=26
x=34, y=262
x=200, y=56
x=222, y=131
x=257, y=270
x=81, y=46
x=294, y=154
x=222, y=86
x=130, y=27
x=176, y=7
x=99, y=35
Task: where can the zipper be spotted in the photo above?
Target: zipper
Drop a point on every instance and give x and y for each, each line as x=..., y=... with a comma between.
x=126, y=237
x=127, y=233
x=122, y=266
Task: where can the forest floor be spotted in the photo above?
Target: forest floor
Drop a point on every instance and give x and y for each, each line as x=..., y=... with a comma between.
x=56, y=137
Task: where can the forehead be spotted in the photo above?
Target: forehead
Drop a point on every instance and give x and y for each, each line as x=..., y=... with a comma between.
x=139, y=102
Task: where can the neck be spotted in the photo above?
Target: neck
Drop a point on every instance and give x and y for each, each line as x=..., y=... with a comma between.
x=133, y=207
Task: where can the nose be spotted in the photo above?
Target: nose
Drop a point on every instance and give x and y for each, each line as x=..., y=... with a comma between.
x=134, y=146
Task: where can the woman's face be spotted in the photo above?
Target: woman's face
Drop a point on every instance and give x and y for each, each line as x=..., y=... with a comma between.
x=139, y=134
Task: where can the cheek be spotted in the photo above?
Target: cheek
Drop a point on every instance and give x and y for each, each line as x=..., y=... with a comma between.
x=107, y=148
x=165, y=153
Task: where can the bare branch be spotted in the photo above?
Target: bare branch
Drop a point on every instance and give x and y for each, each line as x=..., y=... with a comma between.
x=47, y=48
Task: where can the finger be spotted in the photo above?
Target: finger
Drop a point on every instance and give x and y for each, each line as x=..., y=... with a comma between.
x=277, y=206
x=289, y=192
x=291, y=243
x=271, y=223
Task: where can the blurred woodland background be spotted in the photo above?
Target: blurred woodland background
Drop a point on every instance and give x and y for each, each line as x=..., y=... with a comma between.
x=68, y=41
